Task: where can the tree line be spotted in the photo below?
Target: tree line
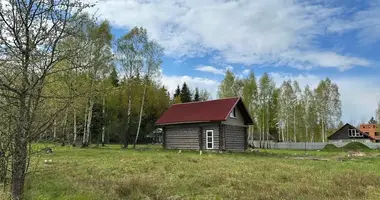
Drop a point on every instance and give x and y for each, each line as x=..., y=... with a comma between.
x=288, y=113
x=184, y=94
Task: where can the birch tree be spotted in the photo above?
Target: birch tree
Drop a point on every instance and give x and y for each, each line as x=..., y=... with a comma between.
x=226, y=87
x=250, y=95
x=130, y=51
x=328, y=105
x=153, y=54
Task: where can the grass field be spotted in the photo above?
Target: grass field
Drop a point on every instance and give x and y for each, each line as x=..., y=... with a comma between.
x=152, y=173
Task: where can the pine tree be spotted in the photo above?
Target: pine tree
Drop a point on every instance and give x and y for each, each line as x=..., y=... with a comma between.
x=185, y=93
x=196, y=95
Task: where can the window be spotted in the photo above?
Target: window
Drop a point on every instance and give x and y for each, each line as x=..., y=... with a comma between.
x=377, y=134
x=233, y=113
x=209, y=139
x=354, y=133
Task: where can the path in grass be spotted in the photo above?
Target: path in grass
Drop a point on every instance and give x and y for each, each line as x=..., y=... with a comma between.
x=112, y=173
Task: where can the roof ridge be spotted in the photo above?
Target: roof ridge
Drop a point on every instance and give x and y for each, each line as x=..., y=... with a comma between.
x=206, y=101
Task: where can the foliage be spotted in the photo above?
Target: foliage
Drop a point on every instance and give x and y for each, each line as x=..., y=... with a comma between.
x=288, y=113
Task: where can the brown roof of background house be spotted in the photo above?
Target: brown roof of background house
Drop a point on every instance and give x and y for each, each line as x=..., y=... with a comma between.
x=203, y=111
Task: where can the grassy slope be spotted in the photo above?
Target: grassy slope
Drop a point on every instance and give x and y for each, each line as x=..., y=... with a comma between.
x=111, y=173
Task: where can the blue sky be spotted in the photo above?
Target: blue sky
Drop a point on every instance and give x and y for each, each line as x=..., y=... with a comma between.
x=301, y=40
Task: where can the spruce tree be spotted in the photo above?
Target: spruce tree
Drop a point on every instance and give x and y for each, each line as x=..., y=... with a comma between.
x=185, y=93
x=196, y=95
x=177, y=92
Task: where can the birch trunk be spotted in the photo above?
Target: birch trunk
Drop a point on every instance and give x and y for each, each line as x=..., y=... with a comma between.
x=74, y=127
x=89, y=118
x=268, y=116
x=104, y=126
x=55, y=128
x=128, y=121
x=84, y=128
x=141, y=113
x=294, y=126
x=65, y=128
x=323, y=131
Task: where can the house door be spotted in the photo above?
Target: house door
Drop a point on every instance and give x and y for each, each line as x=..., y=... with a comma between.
x=209, y=139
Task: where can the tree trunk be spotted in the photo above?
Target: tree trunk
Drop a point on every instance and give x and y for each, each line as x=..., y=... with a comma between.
x=89, y=118
x=84, y=128
x=287, y=131
x=294, y=125
x=128, y=120
x=268, y=115
x=323, y=131
x=104, y=126
x=141, y=113
x=65, y=132
x=74, y=127
x=55, y=128
x=19, y=157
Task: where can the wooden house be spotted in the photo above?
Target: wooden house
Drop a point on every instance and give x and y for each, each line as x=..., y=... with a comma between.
x=216, y=125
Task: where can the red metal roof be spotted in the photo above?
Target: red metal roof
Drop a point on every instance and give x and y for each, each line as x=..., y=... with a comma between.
x=203, y=111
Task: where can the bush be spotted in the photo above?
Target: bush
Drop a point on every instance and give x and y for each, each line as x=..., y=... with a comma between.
x=355, y=146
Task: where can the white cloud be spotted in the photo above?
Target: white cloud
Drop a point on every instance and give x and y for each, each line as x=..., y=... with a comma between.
x=171, y=83
x=366, y=22
x=210, y=69
x=246, y=72
x=246, y=32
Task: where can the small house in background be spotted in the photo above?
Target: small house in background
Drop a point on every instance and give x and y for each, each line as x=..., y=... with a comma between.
x=219, y=125
x=349, y=133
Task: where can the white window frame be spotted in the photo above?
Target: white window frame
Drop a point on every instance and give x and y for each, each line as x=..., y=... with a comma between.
x=354, y=133
x=233, y=113
x=212, y=139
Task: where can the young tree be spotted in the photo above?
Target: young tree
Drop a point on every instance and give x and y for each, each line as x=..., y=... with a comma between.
x=31, y=32
x=204, y=95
